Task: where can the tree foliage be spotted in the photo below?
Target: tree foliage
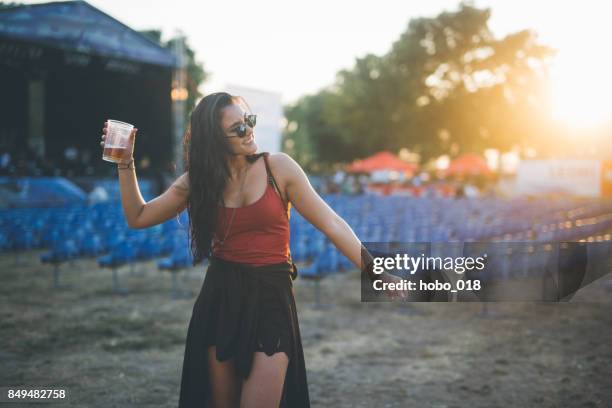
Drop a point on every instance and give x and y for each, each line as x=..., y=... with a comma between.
x=447, y=85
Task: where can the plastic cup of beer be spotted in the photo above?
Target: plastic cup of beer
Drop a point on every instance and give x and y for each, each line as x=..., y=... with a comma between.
x=117, y=139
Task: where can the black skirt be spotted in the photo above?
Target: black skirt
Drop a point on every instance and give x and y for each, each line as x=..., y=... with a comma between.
x=242, y=309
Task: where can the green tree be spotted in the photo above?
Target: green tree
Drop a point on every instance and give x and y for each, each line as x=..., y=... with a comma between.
x=307, y=130
x=446, y=86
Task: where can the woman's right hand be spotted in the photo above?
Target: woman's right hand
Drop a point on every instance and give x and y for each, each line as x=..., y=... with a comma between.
x=128, y=154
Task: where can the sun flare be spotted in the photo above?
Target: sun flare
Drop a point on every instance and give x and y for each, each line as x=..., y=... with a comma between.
x=581, y=85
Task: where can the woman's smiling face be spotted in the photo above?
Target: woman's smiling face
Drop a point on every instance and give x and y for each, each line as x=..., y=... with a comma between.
x=232, y=117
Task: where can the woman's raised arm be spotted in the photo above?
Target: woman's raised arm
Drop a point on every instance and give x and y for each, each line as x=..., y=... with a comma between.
x=138, y=212
x=141, y=214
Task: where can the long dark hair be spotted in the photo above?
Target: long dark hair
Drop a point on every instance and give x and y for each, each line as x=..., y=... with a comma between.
x=206, y=152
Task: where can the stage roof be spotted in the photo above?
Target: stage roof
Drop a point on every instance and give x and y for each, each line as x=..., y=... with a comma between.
x=79, y=27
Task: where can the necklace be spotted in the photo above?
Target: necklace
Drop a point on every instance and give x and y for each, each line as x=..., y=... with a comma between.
x=227, y=231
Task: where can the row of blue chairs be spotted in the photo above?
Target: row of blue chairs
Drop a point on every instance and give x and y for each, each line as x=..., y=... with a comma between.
x=100, y=230
x=405, y=219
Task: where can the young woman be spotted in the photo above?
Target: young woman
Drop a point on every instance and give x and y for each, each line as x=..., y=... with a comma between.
x=243, y=343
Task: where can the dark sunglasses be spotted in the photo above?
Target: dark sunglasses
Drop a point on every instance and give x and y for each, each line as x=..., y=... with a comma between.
x=241, y=130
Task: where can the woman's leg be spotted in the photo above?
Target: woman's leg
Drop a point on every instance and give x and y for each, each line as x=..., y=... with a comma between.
x=264, y=387
x=224, y=384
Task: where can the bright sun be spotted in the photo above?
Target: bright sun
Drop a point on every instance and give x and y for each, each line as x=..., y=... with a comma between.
x=582, y=85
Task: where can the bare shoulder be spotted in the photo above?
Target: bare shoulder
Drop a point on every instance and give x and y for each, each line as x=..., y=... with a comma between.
x=286, y=172
x=283, y=165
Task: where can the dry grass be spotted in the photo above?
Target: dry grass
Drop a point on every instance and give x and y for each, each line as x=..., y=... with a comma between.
x=126, y=351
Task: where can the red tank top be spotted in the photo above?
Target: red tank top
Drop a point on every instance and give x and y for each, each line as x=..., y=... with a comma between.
x=259, y=233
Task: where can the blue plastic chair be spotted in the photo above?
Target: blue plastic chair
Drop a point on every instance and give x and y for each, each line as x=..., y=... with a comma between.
x=62, y=251
x=323, y=265
x=92, y=245
x=179, y=260
x=122, y=254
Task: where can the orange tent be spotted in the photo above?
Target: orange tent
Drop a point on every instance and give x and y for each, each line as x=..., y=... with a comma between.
x=468, y=164
x=381, y=161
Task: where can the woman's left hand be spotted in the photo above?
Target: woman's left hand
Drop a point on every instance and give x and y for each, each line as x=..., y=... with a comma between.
x=393, y=294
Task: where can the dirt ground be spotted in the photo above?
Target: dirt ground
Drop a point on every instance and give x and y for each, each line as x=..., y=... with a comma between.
x=110, y=350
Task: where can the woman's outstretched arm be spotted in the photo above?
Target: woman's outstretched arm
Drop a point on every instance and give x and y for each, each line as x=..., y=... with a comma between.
x=312, y=207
